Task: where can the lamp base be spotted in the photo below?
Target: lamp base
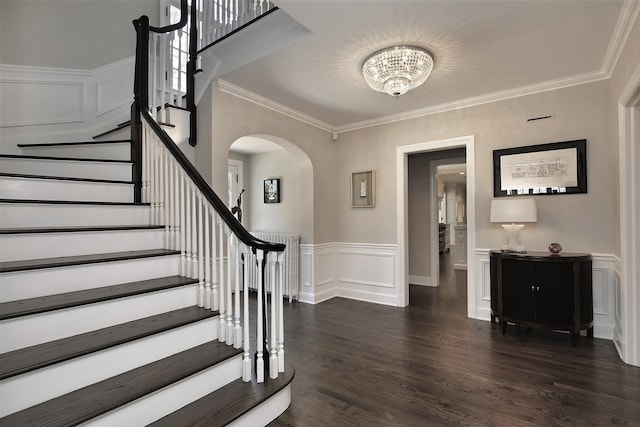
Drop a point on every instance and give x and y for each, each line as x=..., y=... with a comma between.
x=512, y=231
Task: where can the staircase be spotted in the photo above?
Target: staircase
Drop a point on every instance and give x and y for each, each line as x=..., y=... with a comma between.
x=98, y=325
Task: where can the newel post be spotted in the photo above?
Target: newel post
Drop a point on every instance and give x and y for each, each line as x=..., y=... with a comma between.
x=140, y=101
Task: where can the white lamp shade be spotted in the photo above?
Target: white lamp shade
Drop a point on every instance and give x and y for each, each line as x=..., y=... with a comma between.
x=509, y=210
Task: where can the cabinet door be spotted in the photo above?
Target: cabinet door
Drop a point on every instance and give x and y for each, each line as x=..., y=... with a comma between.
x=517, y=279
x=554, y=293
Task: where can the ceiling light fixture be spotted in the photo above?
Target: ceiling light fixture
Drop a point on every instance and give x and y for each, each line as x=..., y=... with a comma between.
x=396, y=70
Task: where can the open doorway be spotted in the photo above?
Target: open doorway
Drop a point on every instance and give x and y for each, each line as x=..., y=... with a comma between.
x=448, y=206
x=403, y=153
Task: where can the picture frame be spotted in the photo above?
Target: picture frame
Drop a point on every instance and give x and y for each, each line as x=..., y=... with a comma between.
x=543, y=169
x=363, y=189
x=272, y=190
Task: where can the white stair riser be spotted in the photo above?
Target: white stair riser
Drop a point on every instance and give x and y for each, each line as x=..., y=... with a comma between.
x=173, y=397
x=13, y=215
x=59, y=324
x=123, y=133
x=49, y=281
x=267, y=411
x=45, y=189
x=26, y=390
x=68, y=168
x=15, y=247
x=111, y=151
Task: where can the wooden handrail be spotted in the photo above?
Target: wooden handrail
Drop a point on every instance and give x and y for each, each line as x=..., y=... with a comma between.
x=225, y=214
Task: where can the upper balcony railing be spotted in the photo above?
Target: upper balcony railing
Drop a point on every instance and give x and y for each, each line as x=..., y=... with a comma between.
x=173, y=50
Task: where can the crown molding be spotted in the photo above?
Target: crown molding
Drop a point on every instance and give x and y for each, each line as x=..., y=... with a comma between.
x=242, y=93
x=626, y=19
x=479, y=100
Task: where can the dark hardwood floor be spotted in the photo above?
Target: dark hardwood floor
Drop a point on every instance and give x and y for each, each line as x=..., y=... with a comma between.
x=361, y=364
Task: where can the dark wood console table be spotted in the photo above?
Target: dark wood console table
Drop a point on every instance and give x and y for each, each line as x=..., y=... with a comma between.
x=542, y=290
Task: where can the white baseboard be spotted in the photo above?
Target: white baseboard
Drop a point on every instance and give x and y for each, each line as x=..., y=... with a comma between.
x=421, y=281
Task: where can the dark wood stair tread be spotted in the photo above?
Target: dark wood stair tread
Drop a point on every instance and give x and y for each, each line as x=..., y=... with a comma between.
x=120, y=126
x=43, y=304
x=66, y=144
x=227, y=403
x=38, y=356
x=24, y=265
x=97, y=399
x=71, y=159
x=77, y=229
x=70, y=202
x=63, y=178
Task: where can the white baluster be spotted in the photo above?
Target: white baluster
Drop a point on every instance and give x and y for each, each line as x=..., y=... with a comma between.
x=222, y=312
x=187, y=228
x=201, y=260
x=183, y=226
x=156, y=183
x=163, y=79
x=215, y=297
x=170, y=202
x=229, y=290
x=207, y=258
x=280, y=313
x=194, y=232
x=153, y=69
x=166, y=198
x=273, y=357
x=246, y=359
x=259, y=325
x=176, y=206
x=145, y=166
x=237, y=338
x=170, y=69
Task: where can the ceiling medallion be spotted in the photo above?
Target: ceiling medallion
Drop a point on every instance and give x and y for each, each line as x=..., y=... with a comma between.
x=396, y=70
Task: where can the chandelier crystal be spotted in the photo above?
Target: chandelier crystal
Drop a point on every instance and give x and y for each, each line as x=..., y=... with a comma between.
x=396, y=70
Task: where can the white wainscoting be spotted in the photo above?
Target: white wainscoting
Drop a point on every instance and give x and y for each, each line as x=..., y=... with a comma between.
x=40, y=104
x=604, y=292
x=365, y=272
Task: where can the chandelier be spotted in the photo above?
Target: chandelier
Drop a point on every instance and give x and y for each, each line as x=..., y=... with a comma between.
x=396, y=70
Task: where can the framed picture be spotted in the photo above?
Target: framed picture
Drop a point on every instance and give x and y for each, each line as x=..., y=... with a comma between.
x=545, y=169
x=272, y=190
x=363, y=189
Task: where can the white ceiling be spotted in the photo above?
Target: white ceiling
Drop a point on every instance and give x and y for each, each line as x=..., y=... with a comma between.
x=484, y=50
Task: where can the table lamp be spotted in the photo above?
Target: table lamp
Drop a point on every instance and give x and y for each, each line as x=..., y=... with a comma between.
x=509, y=212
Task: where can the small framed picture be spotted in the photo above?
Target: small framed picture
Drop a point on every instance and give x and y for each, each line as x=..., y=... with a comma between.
x=272, y=190
x=363, y=189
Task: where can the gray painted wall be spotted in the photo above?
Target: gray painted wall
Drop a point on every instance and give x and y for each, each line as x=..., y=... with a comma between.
x=77, y=34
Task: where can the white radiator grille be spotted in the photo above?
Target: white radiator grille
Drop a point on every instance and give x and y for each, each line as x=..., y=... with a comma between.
x=290, y=264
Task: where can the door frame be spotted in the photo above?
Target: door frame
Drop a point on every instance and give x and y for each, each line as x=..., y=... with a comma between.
x=628, y=339
x=402, y=156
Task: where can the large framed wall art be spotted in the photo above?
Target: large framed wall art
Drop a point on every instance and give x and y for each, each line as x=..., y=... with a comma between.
x=544, y=169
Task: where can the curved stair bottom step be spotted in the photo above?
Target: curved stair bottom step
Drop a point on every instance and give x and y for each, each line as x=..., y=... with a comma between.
x=267, y=411
x=238, y=404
